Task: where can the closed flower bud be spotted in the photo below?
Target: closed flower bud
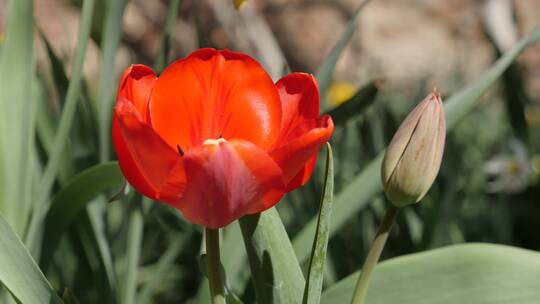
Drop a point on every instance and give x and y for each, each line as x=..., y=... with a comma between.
x=413, y=158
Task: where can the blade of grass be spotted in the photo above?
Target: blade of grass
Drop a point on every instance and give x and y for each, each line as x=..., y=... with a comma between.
x=72, y=200
x=275, y=271
x=314, y=281
x=355, y=196
x=60, y=140
x=134, y=243
x=107, y=81
x=163, y=55
x=17, y=115
x=163, y=265
x=19, y=273
x=326, y=70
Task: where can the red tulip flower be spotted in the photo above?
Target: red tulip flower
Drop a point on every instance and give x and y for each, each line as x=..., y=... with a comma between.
x=214, y=137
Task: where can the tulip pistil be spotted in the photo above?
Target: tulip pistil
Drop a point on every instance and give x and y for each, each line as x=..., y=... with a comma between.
x=214, y=142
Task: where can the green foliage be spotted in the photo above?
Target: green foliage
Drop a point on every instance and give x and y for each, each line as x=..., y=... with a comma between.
x=55, y=182
x=19, y=273
x=470, y=273
x=275, y=272
x=17, y=117
x=314, y=281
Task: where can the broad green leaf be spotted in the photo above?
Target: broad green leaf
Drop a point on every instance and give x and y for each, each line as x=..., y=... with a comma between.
x=233, y=255
x=352, y=107
x=314, y=281
x=355, y=196
x=61, y=138
x=163, y=55
x=275, y=271
x=19, y=273
x=467, y=273
x=326, y=70
x=112, y=32
x=17, y=117
x=73, y=198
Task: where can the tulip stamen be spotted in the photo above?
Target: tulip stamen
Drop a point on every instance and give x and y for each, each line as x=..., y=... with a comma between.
x=180, y=151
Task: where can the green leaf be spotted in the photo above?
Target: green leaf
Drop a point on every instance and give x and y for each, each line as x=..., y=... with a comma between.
x=468, y=273
x=355, y=105
x=275, y=271
x=347, y=203
x=134, y=243
x=326, y=70
x=73, y=198
x=312, y=291
x=163, y=55
x=19, y=273
x=355, y=196
x=164, y=264
x=17, y=117
x=61, y=138
x=112, y=32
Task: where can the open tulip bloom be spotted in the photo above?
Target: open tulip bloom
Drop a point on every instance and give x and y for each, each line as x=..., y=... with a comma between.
x=214, y=137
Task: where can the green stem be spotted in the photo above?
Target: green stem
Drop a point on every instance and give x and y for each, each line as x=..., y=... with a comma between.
x=373, y=256
x=214, y=266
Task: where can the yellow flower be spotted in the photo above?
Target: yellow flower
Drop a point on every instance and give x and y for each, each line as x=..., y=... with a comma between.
x=239, y=3
x=339, y=92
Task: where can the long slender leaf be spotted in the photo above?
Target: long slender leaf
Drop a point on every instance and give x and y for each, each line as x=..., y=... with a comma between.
x=111, y=39
x=60, y=140
x=17, y=115
x=163, y=265
x=355, y=196
x=19, y=273
x=314, y=281
x=469, y=273
x=275, y=271
x=73, y=198
x=326, y=70
x=162, y=60
x=134, y=242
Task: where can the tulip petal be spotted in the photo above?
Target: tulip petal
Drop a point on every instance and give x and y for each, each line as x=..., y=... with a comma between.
x=146, y=161
x=212, y=94
x=228, y=179
x=299, y=95
x=136, y=85
x=296, y=157
x=302, y=132
x=419, y=163
x=400, y=141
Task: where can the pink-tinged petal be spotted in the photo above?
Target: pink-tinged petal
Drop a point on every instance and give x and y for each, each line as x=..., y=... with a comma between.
x=147, y=162
x=136, y=85
x=296, y=156
x=299, y=95
x=228, y=179
x=212, y=94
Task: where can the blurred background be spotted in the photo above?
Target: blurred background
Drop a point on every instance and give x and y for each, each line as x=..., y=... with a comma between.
x=489, y=186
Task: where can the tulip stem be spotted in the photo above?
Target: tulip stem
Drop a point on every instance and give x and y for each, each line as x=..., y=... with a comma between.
x=374, y=254
x=217, y=291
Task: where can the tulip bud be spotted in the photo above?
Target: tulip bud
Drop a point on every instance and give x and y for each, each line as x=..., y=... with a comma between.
x=413, y=158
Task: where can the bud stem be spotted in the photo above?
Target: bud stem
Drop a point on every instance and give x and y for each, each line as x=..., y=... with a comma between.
x=374, y=254
x=217, y=291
